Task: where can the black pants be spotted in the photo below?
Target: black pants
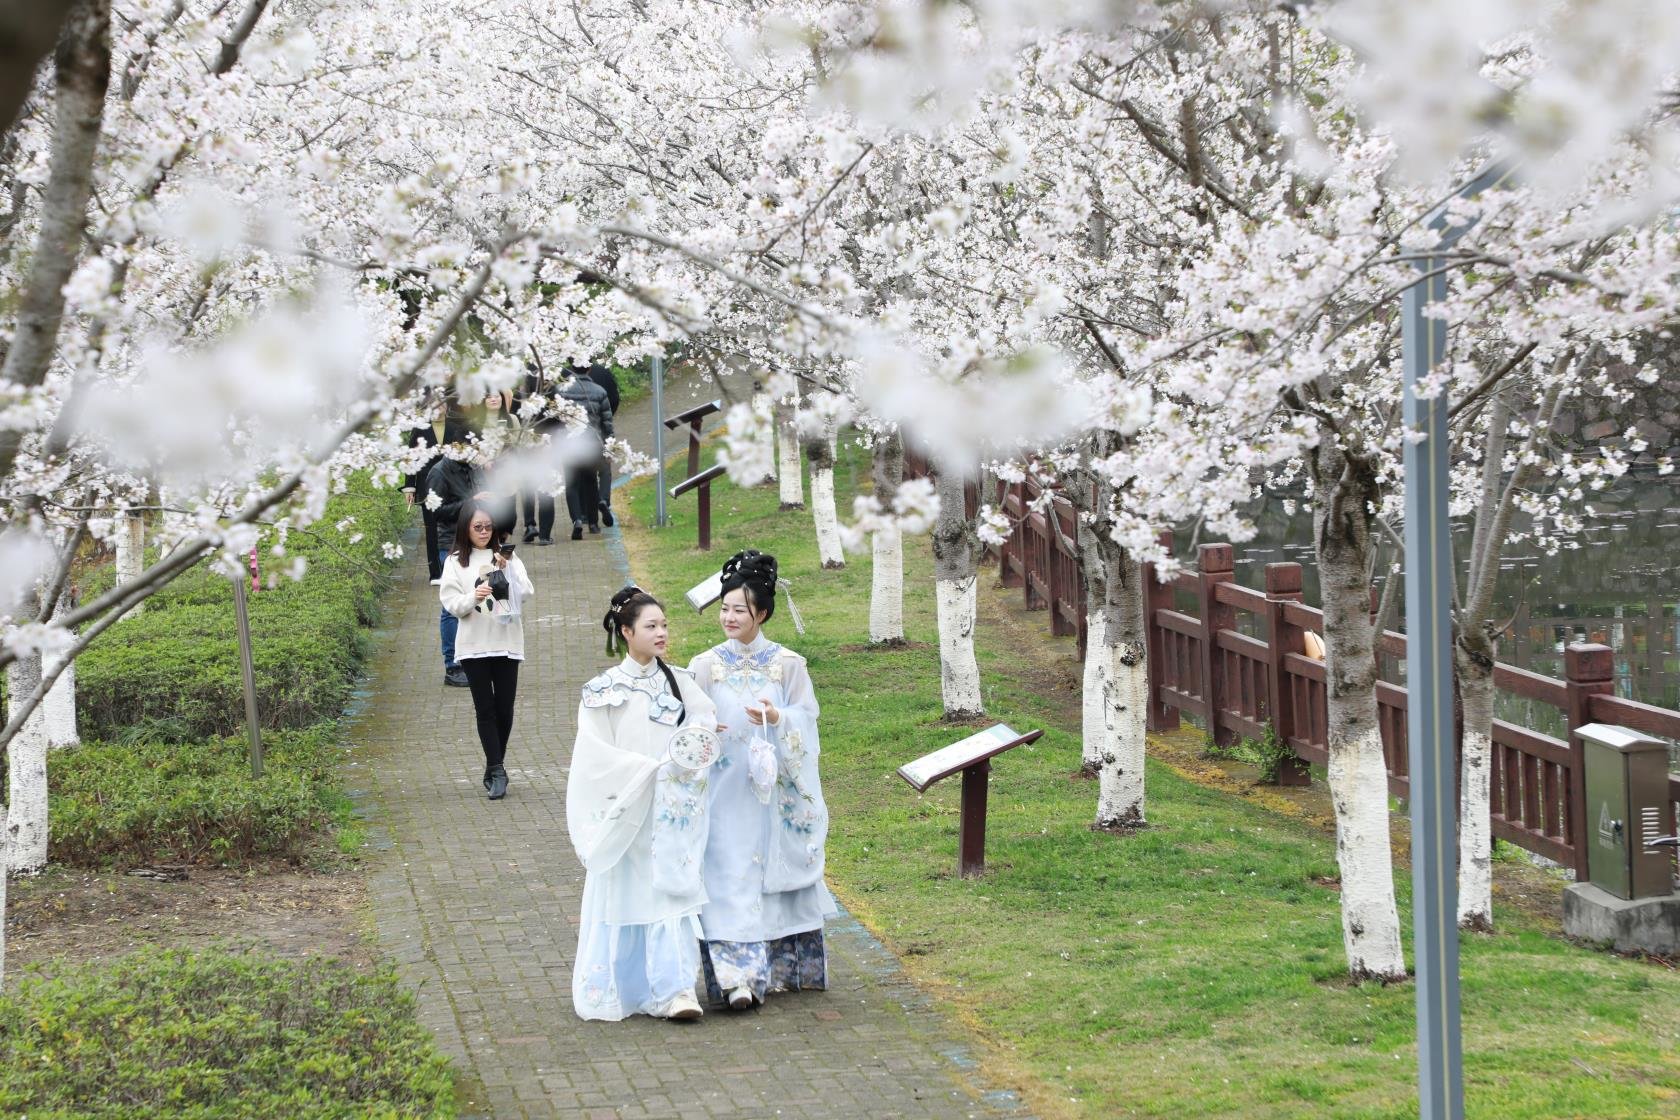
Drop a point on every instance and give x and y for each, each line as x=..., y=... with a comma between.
x=495, y=682
x=428, y=533
x=603, y=483
x=539, y=512
x=581, y=500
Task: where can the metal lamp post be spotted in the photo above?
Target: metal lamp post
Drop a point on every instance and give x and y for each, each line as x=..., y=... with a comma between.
x=658, y=378
x=1429, y=719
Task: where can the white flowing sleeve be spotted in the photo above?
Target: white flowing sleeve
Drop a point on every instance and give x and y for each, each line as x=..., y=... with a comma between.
x=681, y=806
x=800, y=829
x=609, y=791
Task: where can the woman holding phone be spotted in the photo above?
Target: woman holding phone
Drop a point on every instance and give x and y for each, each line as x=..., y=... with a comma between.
x=485, y=586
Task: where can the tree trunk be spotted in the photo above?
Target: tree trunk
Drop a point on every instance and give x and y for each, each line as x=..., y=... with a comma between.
x=27, y=772
x=1344, y=494
x=5, y=866
x=59, y=710
x=766, y=434
x=1475, y=821
x=886, y=589
x=956, y=574
x=83, y=70
x=131, y=551
x=1116, y=712
x=788, y=472
x=819, y=453
x=1093, y=713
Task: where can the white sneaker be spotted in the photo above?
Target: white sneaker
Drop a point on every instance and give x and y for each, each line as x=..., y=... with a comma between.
x=683, y=1007
x=740, y=998
x=437, y=583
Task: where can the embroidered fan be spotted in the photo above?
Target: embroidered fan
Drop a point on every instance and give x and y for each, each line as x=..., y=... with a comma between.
x=694, y=748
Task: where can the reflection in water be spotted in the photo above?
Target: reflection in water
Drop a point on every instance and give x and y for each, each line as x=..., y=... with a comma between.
x=1621, y=587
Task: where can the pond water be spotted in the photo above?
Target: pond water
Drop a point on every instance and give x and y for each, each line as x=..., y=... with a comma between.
x=1620, y=587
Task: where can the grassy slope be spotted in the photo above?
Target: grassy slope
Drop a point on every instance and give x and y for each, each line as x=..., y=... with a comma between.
x=1194, y=969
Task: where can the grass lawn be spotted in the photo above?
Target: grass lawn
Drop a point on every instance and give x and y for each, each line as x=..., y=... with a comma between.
x=1192, y=970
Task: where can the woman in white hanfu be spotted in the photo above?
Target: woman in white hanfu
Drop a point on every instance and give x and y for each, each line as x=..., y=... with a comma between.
x=764, y=860
x=638, y=820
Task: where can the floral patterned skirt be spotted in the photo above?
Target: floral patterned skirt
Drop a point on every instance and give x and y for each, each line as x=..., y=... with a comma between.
x=797, y=962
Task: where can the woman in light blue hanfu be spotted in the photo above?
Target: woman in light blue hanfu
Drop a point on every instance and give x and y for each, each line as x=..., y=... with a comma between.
x=636, y=809
x=764, y=857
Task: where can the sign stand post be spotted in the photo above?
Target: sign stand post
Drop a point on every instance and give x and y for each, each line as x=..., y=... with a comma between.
x=973, y=757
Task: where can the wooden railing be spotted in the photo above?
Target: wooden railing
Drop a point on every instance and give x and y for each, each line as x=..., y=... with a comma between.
x=1240, y=676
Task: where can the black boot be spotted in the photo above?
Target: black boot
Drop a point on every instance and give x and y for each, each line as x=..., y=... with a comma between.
x=498, y=783
x=487, y=770
x=577, y=530
x=606, y=515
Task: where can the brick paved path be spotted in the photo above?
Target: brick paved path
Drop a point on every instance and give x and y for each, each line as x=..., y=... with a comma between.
x=477, y=903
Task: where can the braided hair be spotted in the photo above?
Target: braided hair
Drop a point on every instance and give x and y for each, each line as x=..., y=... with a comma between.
x=755, y=572
x=627, y=606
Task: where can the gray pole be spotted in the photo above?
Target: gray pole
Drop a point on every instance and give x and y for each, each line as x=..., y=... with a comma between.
x=659, y=518
x=1429, y=710
x=242, y=615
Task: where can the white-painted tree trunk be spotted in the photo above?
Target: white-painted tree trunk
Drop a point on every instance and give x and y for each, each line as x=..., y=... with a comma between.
x=1475, y=820
x=131, y=551
x=1345, y=493
x=1116, y=701
x=1120, y=752
x=956, y=572
x=59, y=710
x=886, y=590
x=820, y=454
x=27, y=772
x=1094, y=713
x=789, y=476
x=766, y=435
x=959, y=673
x=5, y=873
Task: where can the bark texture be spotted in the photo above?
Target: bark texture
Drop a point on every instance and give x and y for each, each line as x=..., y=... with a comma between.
x=82, y=72
x=1116, y=713
x=1346, y=494
x=956, y=571
x=27, y=772
x=1475, y=822
x=131, y=551
x=886, y=588
x=788, y=474
x=820, y=454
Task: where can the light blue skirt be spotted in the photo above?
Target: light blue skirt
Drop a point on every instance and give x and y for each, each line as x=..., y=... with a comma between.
x=635, y=969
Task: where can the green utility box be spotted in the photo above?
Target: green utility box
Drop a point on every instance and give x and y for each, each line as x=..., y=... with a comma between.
x=1627, y=804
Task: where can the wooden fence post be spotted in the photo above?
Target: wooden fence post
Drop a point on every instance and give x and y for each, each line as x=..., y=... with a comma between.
x=1283, y=585
x=1157, y=597
x=1588, y=670
x=1215, y=564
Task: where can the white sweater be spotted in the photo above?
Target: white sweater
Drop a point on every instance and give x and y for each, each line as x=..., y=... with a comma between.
x=487, y=632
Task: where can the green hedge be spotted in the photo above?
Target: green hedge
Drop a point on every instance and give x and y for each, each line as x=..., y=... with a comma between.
x=174, y=669
x=211, y=1034
x=146, y=802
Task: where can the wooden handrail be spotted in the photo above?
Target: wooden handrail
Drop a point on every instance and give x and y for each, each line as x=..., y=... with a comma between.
x=704, y=478
x=698, y=412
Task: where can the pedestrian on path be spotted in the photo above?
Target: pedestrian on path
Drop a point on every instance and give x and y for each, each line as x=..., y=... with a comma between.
x=583, y=499
x=455, y=481
x=636, y=809
x=603, y=376
x=484, y=586
x=766, y=900
x=443, y=429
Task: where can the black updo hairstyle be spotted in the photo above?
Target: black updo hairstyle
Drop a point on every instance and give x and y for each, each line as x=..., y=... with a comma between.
x=627, y=606
x=756, y=572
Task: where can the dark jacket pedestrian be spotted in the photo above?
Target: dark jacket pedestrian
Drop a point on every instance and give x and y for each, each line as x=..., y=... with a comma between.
x=455, y=482
x=414, y=484
x=583, y=497
x=603, y=376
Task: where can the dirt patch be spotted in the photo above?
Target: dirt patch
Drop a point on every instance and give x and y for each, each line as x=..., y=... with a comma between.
x=882, y=647
x=74, y=915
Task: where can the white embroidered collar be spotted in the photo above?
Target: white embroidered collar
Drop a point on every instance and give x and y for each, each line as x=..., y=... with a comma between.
x=740, y=649
x=630, y=668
